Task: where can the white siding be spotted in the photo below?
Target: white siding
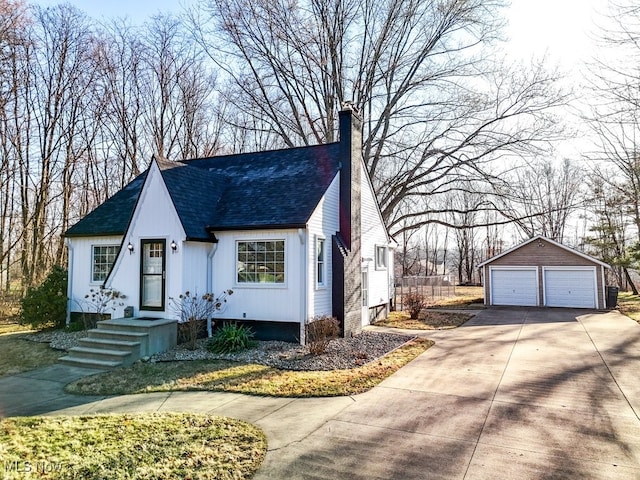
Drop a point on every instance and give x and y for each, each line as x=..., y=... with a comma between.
x=155, y=217
x=80, y=261
x=374, y=234
x=324, y=223
x=194, y=266
x=269, y=302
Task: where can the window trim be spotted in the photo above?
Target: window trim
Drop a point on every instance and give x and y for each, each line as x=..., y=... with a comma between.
x=93, y=263
x=259, y=284
x=321, y=265
x=364, y=287
x=384, y=265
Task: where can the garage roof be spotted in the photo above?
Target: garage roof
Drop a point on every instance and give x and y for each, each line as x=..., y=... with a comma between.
x=552, y=242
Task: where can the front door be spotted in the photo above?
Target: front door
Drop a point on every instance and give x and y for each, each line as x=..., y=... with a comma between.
x=152, y=274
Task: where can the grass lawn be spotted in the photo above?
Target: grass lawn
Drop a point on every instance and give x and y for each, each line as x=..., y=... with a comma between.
x=428, y=320
x=246, y=378
x=10, y=326
x=148, y=446
x=629, y=305
x=19, y=355
x=465, y=297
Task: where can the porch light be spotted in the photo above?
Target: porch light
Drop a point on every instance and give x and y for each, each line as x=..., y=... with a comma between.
x=130, y=248
x=174, y=246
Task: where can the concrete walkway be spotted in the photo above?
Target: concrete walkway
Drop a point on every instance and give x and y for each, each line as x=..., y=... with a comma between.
x=515, y=393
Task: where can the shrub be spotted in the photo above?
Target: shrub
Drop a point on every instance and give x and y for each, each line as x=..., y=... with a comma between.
x=75, y=327
x=231, y=337
x=414, y=303
x=193, y=312
x=46, y=305
x=319, y=331
x=190, y=331
x=97, y=303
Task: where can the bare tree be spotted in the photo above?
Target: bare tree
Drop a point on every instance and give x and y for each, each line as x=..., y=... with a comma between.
x=541, y=197
x=120, y=105
x=58, y=72
x=178, y=92
x=408, y=255
x=464, y=209
x=13, y=22
x=436, y=109
x=615, y=120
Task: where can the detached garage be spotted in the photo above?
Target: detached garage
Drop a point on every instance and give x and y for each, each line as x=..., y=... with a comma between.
x=542, y=272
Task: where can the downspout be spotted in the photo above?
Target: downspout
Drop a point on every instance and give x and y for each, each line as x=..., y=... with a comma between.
x=391, y=280
x=69, y=280
x=210, y=256
x=603, y=291
x=303, y=286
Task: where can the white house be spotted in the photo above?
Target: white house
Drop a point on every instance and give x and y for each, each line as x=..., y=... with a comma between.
x=295, y=233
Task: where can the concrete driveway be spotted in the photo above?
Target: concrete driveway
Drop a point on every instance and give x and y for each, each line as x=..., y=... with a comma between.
x=515, y=393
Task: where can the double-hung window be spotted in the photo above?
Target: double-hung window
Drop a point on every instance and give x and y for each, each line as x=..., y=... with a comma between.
x=260, y=261
x=381, y=257
x=320, y=261
x=102, y=258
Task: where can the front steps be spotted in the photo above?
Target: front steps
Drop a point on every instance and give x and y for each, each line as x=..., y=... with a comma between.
x=122, y=341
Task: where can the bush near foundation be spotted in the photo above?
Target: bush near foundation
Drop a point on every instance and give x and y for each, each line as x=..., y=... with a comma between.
x=319, y=331
x=230, y=338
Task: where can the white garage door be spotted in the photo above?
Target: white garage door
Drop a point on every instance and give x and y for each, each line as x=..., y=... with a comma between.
x=570, y=288
x=514, y=287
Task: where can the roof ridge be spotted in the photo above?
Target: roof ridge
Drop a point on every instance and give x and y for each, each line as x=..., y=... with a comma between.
x=189, y=161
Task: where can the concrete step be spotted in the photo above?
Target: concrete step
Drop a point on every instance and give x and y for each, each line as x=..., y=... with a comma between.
x=111, y=344
x=118, y=335
x=133, y=324
x=89, y=363
x=123, y=357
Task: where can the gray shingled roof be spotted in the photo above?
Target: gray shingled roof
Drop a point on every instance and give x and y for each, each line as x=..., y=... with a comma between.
x=112, y=217
x=195, y=193
x=273, y=189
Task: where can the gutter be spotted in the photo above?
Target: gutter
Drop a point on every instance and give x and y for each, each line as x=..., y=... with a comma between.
x=210, y=255
x=303, y=235
x=67, y=242
x=266, y=226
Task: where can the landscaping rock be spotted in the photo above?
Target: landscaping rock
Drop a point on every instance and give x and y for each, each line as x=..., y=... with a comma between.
x=342, y=353
x=58, y=339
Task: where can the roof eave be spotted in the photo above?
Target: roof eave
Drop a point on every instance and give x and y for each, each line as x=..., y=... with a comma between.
x=552, y=242
x=283, y=226
x=92, y=235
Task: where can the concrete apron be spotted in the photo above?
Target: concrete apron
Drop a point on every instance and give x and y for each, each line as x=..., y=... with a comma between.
x=515, y=393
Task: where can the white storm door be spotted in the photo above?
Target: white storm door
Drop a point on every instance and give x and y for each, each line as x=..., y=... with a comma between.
x=152, y=274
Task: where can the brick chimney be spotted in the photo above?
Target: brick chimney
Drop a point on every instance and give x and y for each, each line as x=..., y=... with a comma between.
x=347, y=268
